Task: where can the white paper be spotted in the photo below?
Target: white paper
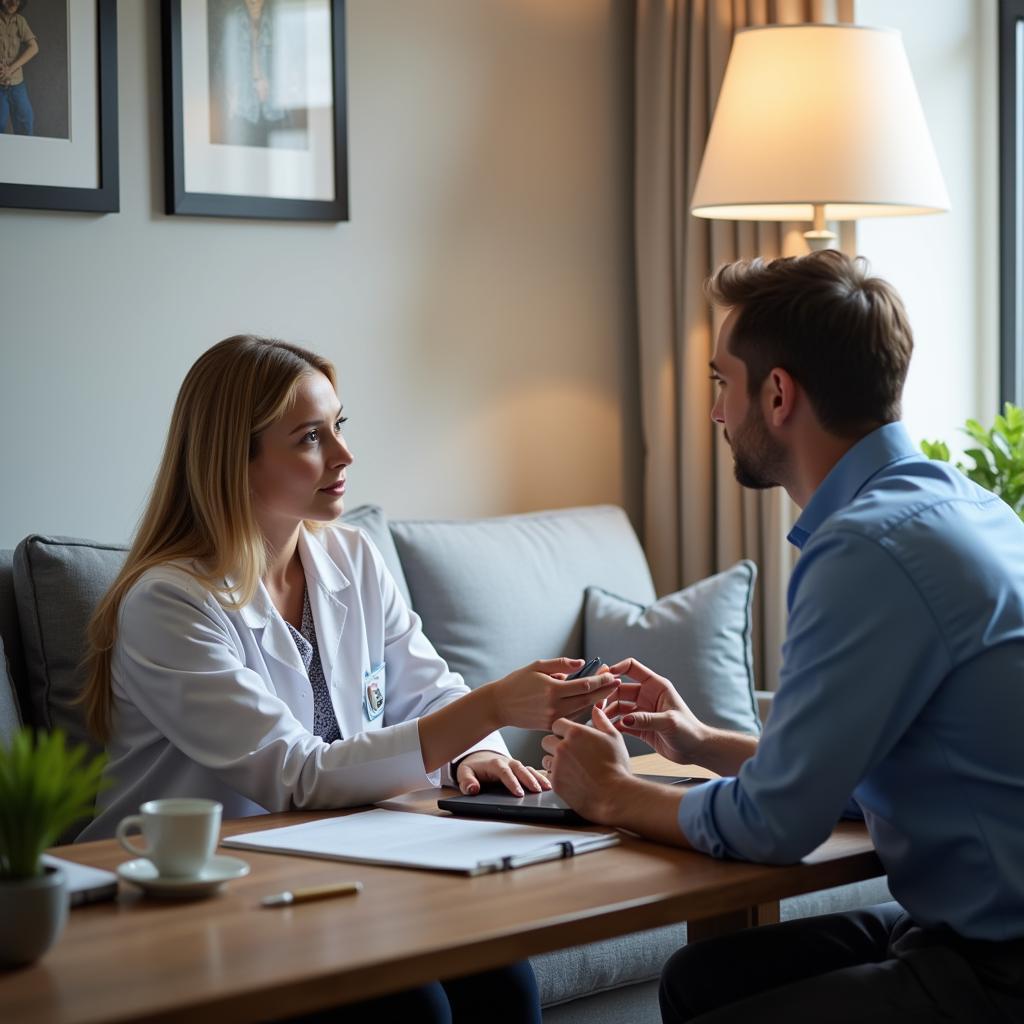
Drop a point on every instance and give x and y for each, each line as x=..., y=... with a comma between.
x=407, y=839
x=84, y=883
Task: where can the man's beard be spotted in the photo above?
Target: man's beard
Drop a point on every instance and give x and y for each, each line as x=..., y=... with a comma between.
x=758, y=458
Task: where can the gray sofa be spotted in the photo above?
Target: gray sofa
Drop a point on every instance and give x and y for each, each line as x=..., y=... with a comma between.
x=528, y=573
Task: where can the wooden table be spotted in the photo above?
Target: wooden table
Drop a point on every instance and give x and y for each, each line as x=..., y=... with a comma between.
x=227, y=959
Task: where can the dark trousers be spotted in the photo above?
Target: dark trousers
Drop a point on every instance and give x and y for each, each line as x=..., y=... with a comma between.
x=871, y=965
x=507, y=995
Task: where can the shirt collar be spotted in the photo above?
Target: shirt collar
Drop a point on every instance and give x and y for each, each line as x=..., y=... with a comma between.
x=320, y=569
x=317, y=561
x=868, y=457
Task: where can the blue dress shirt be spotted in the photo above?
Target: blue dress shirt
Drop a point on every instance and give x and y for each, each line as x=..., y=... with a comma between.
x=902, y=685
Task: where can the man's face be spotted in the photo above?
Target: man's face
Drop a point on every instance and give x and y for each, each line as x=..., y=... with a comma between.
x=11, y=6
x=758, y=457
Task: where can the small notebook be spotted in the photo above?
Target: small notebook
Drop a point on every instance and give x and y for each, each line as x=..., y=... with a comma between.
x=405, y=839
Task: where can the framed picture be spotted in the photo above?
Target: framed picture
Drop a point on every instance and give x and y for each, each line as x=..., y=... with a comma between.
x=58, y=105
x=255, y=108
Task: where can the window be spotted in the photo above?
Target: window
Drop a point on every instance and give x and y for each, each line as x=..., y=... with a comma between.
x=1011, y=200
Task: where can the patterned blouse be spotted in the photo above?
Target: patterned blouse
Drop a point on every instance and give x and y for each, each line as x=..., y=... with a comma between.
x=325, y=724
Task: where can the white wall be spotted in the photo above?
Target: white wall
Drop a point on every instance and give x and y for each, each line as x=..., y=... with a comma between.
x=946, y=266
x=479, y=304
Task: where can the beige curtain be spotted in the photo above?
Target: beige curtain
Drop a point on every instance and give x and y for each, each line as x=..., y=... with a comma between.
x=697, y=519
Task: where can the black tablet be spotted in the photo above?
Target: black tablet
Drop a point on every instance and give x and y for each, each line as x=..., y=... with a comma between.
x=545, y=807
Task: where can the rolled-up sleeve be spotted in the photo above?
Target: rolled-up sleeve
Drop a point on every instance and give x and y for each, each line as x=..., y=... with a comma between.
x=842, y=704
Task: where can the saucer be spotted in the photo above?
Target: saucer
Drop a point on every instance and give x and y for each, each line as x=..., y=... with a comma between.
x=218, y=870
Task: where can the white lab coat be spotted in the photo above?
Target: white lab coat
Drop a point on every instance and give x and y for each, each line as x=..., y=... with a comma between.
x=213, y=703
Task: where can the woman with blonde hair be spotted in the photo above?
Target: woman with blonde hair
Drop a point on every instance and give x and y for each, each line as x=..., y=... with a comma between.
x=254, y=652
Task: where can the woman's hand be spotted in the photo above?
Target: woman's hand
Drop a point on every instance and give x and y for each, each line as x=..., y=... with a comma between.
x=489, y=766
x=536, y=696
x=649, y=707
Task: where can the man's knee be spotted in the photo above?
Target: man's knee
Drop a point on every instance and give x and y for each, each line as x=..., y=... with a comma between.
x=695, y=980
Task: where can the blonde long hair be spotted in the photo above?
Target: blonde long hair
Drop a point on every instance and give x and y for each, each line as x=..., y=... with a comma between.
x=200, y=508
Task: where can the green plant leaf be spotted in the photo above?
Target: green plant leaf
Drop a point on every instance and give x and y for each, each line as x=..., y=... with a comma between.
x=975, y=430
x=44, y=788
x=997, y=457
x=982, y=472
x=937, y=450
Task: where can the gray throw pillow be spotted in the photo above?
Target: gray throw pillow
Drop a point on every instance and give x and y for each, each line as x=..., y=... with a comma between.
x=58, y=582
x=698, y=637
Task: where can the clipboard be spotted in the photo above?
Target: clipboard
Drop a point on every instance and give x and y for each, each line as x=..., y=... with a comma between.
x=406, y=839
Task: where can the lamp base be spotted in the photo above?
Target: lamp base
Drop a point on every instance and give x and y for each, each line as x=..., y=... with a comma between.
x=817, y=240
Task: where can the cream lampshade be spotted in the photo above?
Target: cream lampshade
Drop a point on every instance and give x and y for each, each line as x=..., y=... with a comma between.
x=818, y=123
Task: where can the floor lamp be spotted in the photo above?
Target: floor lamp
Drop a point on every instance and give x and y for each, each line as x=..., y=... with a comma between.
x=818, y=123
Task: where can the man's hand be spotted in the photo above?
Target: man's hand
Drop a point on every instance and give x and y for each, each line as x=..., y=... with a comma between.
x=649, y=707
x=489, y=766
x=588, y=766
x=534, y=697
x=590, y=771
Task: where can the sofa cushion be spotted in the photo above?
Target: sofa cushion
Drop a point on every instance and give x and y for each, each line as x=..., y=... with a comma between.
x=832, y=901
x=578, y=971
x=496, y=594
x=10, y=631
x=10, y=718
x=698, y=637
x=372, y=521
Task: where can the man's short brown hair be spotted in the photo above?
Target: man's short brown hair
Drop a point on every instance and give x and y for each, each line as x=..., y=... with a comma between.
x=841, y=334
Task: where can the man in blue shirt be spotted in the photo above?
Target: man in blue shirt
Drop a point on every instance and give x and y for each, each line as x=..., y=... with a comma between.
x=901, y=691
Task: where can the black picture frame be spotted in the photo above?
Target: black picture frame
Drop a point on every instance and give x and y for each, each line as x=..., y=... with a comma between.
x=1011, y=216
x=212, y=204
x=105, y=198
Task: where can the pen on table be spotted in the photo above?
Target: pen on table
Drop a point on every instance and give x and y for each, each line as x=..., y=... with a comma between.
x=319, y=892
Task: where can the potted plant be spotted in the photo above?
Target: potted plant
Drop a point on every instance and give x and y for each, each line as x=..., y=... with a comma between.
x=998, y=456
x=45, y=787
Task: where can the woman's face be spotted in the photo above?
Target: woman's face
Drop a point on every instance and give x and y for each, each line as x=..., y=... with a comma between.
x=299, y=470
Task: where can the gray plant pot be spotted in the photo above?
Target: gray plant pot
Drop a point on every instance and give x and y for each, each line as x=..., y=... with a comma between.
x=33, y=912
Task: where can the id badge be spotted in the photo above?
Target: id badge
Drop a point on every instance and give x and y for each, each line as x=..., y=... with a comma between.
x=373, y=693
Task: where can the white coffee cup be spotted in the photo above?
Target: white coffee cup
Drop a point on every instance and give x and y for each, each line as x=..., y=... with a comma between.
x=181, y=834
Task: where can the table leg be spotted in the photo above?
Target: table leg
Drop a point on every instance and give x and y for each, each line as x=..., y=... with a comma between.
x=725, y=924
